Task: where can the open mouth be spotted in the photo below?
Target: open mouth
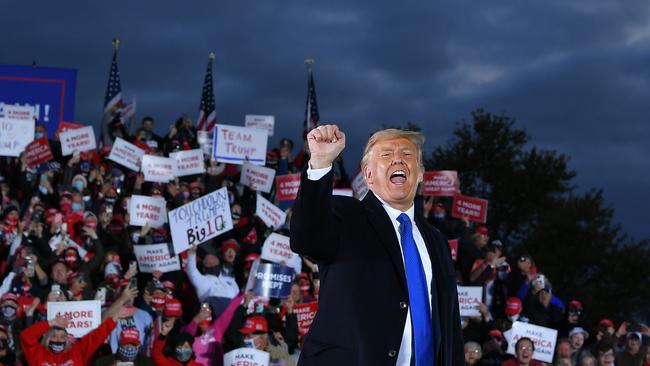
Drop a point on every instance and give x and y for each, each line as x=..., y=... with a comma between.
x=398, y=177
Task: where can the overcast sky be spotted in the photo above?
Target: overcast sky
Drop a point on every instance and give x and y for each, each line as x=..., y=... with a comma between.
x=574, y=73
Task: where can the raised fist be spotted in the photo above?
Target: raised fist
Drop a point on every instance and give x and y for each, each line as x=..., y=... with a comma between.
x=325, y=143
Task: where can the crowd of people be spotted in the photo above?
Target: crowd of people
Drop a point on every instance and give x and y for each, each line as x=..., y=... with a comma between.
x=65, y=236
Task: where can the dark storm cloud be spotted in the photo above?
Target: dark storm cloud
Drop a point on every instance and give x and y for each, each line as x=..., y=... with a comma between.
x=573, y=73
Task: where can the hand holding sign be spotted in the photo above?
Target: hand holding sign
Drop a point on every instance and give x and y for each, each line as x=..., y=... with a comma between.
x=325, y=143
x=59, y=321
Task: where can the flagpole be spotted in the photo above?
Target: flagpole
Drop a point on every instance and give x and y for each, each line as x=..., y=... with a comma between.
x=308, y=61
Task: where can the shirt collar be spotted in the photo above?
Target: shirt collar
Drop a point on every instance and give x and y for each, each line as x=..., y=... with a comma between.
x=393, y=213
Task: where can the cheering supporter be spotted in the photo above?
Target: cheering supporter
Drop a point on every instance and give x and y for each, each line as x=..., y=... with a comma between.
x=56, y=347
x=176, y=351
x=577, y=338
x=473, y=353
x=631, y=355
x=471, y=249
x=606, y=354
x=524, y=349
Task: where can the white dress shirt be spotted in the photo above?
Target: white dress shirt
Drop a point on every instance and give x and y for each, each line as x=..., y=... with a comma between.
x=404, y=356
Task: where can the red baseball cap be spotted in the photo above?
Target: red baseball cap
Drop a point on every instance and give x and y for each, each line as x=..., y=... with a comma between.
x=606, y=323
x=168, y=285
x=575, y=305
x=255, y=324
x=495, y=333
x=10, y=296
x=173, y=309
x=481, y=230
x=229, y=244
x=130, y=336
x=513, y=306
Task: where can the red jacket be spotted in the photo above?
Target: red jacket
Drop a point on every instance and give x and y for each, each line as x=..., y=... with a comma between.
x=78, y=355
x=161, y=360
x=513, y=362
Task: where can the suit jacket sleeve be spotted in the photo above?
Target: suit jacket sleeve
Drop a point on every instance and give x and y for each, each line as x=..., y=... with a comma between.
x=314, y=226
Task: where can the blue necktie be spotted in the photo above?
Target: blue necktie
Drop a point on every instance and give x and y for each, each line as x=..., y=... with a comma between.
x=418, y=294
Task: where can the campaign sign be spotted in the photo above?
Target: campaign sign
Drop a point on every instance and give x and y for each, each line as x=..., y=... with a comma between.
x=276, y=249
x=306, y=313
x=155, y=257
x=271, y=214
x=469, y=299
x=262, y=122
x=200, y=220
x=16, y=129
x=543, y=338
x=158, y=169
x=246, y=357
x=236, y=145
x=84, y=316
x=38, y=152
x=188, y=162
x=257, y=177
x=453, y=248
x=126, y=154
x=440, y=183
x=272, y=280
x=475, y=209
x=286, y=187
x=80, y=139
x=48, y=91
x=145, y=209
x=359, y=186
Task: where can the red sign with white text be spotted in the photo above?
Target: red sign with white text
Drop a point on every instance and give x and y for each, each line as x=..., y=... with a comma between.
x=475, y=209
x=440, y=183
x=305, y=313
x=286, y=187
x=38, y=152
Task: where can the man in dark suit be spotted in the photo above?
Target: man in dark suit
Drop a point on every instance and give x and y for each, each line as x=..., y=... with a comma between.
x=388, y=288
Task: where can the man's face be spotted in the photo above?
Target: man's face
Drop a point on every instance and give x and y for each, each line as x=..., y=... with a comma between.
x=393, y=172
x=524, y=352
x=60, y=273
x=524, y=264
x=482, y=240
x=577, y=340
x=633, y=345
x=147, y=124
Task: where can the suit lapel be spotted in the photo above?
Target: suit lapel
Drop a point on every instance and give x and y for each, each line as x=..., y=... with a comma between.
x=380, y=222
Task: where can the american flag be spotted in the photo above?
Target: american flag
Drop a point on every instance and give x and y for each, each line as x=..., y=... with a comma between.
x=311, y=109
x=113, y=98
x=114, y=88
x=207, y=115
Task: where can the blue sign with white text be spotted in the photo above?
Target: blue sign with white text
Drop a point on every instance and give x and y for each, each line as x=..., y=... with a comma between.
x=51, y=91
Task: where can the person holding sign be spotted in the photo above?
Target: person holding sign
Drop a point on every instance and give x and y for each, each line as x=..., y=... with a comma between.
x=56, y=348
x=379, y=249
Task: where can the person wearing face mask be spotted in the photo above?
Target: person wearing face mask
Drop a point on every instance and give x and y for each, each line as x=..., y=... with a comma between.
x=178, y=351
x=213, y=283
x=10, y=320
x=127, y=351
x=209, y=331
x=513, y=311
x=7, y=356
x=55, y=347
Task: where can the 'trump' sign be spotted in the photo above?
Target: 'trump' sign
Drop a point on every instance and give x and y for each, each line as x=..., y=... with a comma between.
x=236, y=145
x=543, y=338
x=49, y=91
x=475, y=209
x=84, y=316
x=200, y=220
x=440, y=183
